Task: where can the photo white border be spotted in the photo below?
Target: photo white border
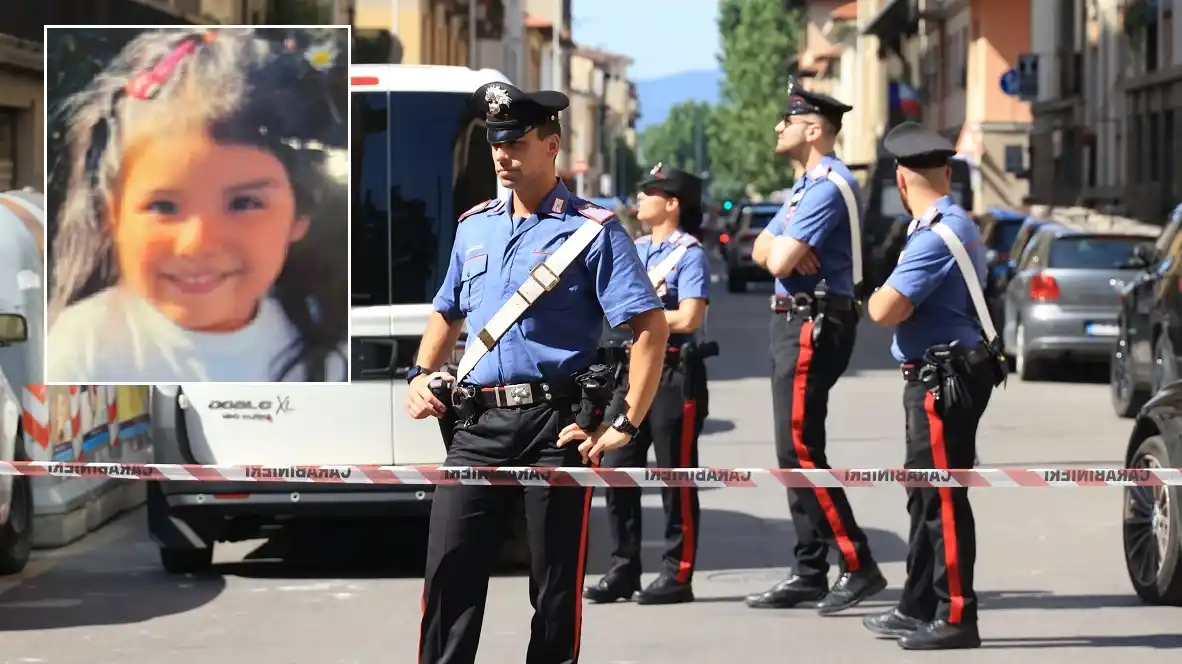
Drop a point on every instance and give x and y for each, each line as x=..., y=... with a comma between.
x=348, y=202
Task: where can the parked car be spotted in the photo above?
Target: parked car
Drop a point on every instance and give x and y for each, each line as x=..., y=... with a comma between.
x=1152, y=520
x=1061, y=304
x=746, y=223
x=999, y=230
x=1149, y=323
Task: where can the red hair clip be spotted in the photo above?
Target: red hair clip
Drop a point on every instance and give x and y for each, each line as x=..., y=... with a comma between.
x=147, y=84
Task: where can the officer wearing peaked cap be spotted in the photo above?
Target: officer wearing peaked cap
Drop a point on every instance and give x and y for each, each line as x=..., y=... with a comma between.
x=813, y=248
x=670, y=200
x=532, y=277
x=951, y=360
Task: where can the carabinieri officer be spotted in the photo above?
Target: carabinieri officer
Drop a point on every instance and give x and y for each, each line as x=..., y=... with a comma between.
x=813, y=249
x=950, y=369
x=670, y=203
x=533, y=275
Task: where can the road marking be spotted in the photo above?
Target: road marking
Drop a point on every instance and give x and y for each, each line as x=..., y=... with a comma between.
x=115, y=529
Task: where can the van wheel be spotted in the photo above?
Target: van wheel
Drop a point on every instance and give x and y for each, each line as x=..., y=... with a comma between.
x=186, y=561
x=1152, y=525
x=16, y=537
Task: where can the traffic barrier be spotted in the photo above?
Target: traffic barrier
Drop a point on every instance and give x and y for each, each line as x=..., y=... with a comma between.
x=704, y=478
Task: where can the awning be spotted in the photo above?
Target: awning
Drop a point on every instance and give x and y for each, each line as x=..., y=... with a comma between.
x=891, y=21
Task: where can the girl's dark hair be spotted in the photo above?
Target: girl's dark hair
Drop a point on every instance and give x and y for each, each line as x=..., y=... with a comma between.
x=246, y=91
x=689, y=216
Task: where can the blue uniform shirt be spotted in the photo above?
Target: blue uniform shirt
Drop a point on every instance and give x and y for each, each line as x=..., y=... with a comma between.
x=928, y=276
x=559, y=334
x=689, y=278
x=816, y=215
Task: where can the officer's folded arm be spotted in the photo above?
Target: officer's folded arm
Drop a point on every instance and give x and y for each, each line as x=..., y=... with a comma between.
x=763, y=243
x=687, y=317
x=650, y=333
x=888, y=306
x=784, y=254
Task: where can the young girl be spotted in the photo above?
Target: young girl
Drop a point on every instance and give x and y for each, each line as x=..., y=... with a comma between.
x=196, y=241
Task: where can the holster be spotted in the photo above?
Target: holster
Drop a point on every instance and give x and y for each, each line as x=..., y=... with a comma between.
x=596, y=386
x=1001, y=368
x=692, y=354
x=444, y=391
x=944, y=372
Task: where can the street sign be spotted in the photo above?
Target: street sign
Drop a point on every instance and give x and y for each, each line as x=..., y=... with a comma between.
x=1028, y=76
x=1009, y=82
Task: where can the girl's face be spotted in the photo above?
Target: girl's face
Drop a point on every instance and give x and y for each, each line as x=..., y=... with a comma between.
x=202, y=229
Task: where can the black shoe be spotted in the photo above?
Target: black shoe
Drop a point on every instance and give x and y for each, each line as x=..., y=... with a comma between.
x=611, y=588
x=665, y=590
x=851, y=589
x=892, y=623
x=790, y=593
x=939, y=635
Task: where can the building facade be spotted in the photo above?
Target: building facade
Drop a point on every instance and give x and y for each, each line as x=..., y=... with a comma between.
x=1109, y=107
x=604, y=110
x=830, y=65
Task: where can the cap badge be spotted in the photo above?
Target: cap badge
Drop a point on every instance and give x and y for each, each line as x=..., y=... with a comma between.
x=496, y=96
x=656, y=172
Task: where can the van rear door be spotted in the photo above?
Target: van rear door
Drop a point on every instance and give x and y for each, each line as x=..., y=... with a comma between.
x=422, y=161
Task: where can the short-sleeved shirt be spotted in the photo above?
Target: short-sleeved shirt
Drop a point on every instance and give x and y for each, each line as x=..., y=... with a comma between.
x=816, y=214
x=559, y=334
x=928, y=276
x=689, y=278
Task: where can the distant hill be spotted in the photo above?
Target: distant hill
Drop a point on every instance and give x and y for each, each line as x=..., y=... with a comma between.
x=658, y=95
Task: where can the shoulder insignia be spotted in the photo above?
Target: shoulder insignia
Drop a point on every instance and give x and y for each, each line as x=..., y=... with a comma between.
x=819, y=172
x=687, y=240
x=595, y=213
x=479, y=207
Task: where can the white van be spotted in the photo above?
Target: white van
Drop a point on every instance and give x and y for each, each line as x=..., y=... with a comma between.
x=22, y=267
x=419, y=160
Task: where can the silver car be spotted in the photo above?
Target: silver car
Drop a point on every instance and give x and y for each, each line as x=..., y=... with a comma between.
x=1061, y=303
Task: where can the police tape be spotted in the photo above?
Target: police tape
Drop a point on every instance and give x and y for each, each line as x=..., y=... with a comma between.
x=703, y=478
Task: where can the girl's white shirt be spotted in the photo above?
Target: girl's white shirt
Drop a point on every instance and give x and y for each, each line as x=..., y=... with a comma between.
x=117, y=337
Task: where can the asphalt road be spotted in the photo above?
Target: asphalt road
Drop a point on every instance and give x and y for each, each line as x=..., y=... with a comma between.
x=1050, y=568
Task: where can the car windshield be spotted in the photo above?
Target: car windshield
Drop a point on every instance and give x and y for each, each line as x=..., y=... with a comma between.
x=1093, y=252
x=759, y=217
x=1004, y=234
x=419, y=160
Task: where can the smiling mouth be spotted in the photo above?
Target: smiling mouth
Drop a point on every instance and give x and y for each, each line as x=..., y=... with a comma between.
x=198, y=284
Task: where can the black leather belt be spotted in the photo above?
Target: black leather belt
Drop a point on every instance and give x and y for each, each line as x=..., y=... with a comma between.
x=520, y=395
x=782, y=304
x=974, y=356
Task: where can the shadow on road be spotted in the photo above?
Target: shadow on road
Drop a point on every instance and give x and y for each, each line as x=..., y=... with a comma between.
x=1157, y=641
x=1009, y=600
x=92, y=598
x=713, y=425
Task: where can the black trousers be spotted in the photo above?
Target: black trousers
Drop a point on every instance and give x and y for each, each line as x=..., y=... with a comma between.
x=672, y=429
x=468, y=523
x=803, y=372
x=942, y=536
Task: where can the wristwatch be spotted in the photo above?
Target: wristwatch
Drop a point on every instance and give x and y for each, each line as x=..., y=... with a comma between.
x=625, y=427
x=414, y=372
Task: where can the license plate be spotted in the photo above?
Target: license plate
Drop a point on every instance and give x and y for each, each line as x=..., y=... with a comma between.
x=1101, y=329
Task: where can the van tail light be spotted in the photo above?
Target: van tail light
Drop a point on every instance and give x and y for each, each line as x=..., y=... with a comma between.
x=1044, y=288
x=724, y=238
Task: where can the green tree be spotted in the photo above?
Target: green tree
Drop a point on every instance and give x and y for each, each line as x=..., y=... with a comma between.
x=760, y=38
x=682, y=140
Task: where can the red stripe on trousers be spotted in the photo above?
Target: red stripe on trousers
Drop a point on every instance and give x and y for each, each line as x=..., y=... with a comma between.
x=800, y=379
x=947, y=513
x=689, y=416
x=579, y=572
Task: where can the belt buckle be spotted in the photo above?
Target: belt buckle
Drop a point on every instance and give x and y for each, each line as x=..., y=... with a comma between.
x=802, y=305
x=518, y=395
x=551, y=279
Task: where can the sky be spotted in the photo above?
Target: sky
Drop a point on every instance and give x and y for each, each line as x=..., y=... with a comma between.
x=643, y=30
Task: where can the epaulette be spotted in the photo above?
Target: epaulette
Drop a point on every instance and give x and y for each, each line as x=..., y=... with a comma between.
x=480, y=207
x=930, y=217
x=819, y=172
x=687, y=240
x=595, y=213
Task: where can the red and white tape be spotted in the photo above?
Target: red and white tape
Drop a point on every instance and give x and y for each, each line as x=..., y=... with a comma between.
x=704, y=478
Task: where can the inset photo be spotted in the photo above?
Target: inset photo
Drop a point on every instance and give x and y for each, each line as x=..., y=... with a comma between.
x=197, y=201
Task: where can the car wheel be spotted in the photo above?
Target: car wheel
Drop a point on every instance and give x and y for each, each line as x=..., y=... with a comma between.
x=186, y=561
x=16, y=537
x=1151, y=528
x=735, y=283
x=1027, y=369
x=1127, y=398
x=1165, y=370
